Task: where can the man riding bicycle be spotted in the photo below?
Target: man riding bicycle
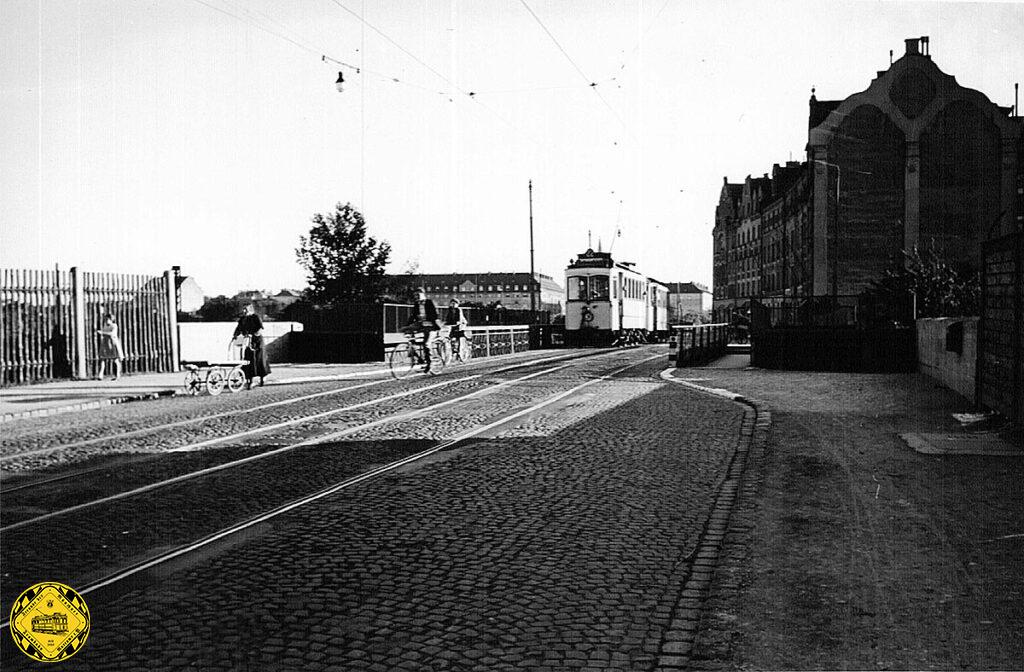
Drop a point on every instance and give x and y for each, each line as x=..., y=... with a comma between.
x=424, y=321
x=456, y=319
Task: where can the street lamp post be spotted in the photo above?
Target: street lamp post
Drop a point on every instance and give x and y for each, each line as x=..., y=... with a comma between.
x=533, y=297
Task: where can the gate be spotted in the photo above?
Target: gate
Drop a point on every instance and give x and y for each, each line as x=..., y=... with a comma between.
x=1000, y=331
x=49, y=319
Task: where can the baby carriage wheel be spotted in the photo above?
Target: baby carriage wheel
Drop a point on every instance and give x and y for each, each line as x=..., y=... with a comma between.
x=236, y=379
x=193, y=383
x=215, y=381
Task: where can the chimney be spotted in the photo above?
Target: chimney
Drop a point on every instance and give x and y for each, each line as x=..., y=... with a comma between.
x=918, y=46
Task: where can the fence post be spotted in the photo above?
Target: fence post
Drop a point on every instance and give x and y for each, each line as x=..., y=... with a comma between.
x=172, y=317
x=78, y=315
x=487, y=343
x=512, y=340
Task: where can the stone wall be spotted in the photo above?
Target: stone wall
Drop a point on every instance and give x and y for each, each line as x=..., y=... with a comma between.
x=947, y=350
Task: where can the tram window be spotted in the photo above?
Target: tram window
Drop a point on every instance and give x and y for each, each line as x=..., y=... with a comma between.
x=577, y=287
x=599, y=287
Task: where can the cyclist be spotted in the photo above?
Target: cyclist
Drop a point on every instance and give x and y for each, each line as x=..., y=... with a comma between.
x=456, y=319
x=424, y=321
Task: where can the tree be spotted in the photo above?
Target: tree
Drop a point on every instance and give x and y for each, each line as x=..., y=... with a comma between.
x=939, y=289
x=343, y=263
x=221, y=309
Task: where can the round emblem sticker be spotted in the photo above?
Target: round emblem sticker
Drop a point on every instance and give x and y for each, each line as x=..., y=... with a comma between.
x=50, y=622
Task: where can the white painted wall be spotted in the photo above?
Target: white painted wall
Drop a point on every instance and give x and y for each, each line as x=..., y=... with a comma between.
x=209, y=340
x=957, y=372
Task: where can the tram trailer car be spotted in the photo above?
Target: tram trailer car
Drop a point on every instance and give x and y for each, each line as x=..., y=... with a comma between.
x=608, y=301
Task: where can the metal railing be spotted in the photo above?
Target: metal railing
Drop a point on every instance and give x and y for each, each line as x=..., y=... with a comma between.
x=49, y=319
x=690, y=344
x=500, y=340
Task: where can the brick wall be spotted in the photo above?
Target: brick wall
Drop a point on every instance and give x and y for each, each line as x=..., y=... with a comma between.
x=1002, y=335
x=869, y=147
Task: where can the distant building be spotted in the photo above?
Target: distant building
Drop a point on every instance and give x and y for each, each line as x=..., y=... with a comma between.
x=686, y=300
x=511, y=290
x=190, y=294
x=286, y=297
x=913, y=160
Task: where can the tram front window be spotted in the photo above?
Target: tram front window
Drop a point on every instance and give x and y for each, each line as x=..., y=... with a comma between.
x=578, y=287
x=599, y=288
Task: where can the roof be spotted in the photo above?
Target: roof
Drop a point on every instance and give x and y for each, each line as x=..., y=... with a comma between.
x=687, y=288
x=820, y=109
x=477, y=279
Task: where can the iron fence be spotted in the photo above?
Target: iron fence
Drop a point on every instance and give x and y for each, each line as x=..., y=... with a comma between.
x=49, y=322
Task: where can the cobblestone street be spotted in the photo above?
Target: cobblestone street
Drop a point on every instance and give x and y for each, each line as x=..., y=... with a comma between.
x=558, y=540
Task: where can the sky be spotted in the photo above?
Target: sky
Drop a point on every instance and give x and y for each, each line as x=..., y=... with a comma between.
x=137, y=135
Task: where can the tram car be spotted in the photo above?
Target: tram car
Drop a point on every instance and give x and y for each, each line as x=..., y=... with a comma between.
x=609, y=302
x=50, y=624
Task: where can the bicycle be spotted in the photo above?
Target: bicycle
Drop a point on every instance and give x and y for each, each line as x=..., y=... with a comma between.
x=410, y=357
x=460, y=348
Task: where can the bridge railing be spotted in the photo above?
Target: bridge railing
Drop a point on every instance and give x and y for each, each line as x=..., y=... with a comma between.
x=694, y=343
x=499, y=340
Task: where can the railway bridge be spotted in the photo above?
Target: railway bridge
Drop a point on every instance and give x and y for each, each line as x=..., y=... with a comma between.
x=542, y=510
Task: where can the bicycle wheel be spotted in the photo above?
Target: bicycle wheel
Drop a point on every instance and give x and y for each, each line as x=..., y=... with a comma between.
x=441, y=356
x=444, y=350
x=402, y=360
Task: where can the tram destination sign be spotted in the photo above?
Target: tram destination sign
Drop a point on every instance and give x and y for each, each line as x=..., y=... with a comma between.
x=591, y=259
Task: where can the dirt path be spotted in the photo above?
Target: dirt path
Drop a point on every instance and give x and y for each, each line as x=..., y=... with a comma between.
x=856, y=552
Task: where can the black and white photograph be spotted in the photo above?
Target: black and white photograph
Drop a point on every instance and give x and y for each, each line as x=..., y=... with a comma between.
x=501, y=335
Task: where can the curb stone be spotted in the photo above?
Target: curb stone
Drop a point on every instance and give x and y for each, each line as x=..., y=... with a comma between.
x=677, y=651
x=87, y=405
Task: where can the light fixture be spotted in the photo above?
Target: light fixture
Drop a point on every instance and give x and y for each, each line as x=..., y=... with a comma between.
x=340, y=84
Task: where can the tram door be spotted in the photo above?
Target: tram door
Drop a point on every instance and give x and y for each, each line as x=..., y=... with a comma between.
x=622, y=293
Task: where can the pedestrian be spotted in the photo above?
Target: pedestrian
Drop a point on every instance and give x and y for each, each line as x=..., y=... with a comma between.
x=250, y=326
x=110, y=347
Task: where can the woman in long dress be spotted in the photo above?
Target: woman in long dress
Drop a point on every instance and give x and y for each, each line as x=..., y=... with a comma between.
x=251, y=326
x=110, y=347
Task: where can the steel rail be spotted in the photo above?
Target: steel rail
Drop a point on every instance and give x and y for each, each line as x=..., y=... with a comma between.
x=307, y=442
x=122, y=574
x=180, y=423
x=151, y=456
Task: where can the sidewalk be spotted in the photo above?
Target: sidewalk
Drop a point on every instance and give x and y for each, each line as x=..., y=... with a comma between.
x=75, y=395
x=849, y=549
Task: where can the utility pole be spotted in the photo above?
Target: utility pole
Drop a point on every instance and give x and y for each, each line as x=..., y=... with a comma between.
x=533, y=298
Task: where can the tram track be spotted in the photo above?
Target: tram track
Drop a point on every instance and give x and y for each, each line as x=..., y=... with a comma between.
x=125, y=458
x=141, y=511
x=100, y=580
x=38, y=493
x=333, y=436
x=163, y=427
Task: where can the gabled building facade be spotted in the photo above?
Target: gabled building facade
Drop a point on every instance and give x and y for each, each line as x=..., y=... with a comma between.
x=914, y=160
